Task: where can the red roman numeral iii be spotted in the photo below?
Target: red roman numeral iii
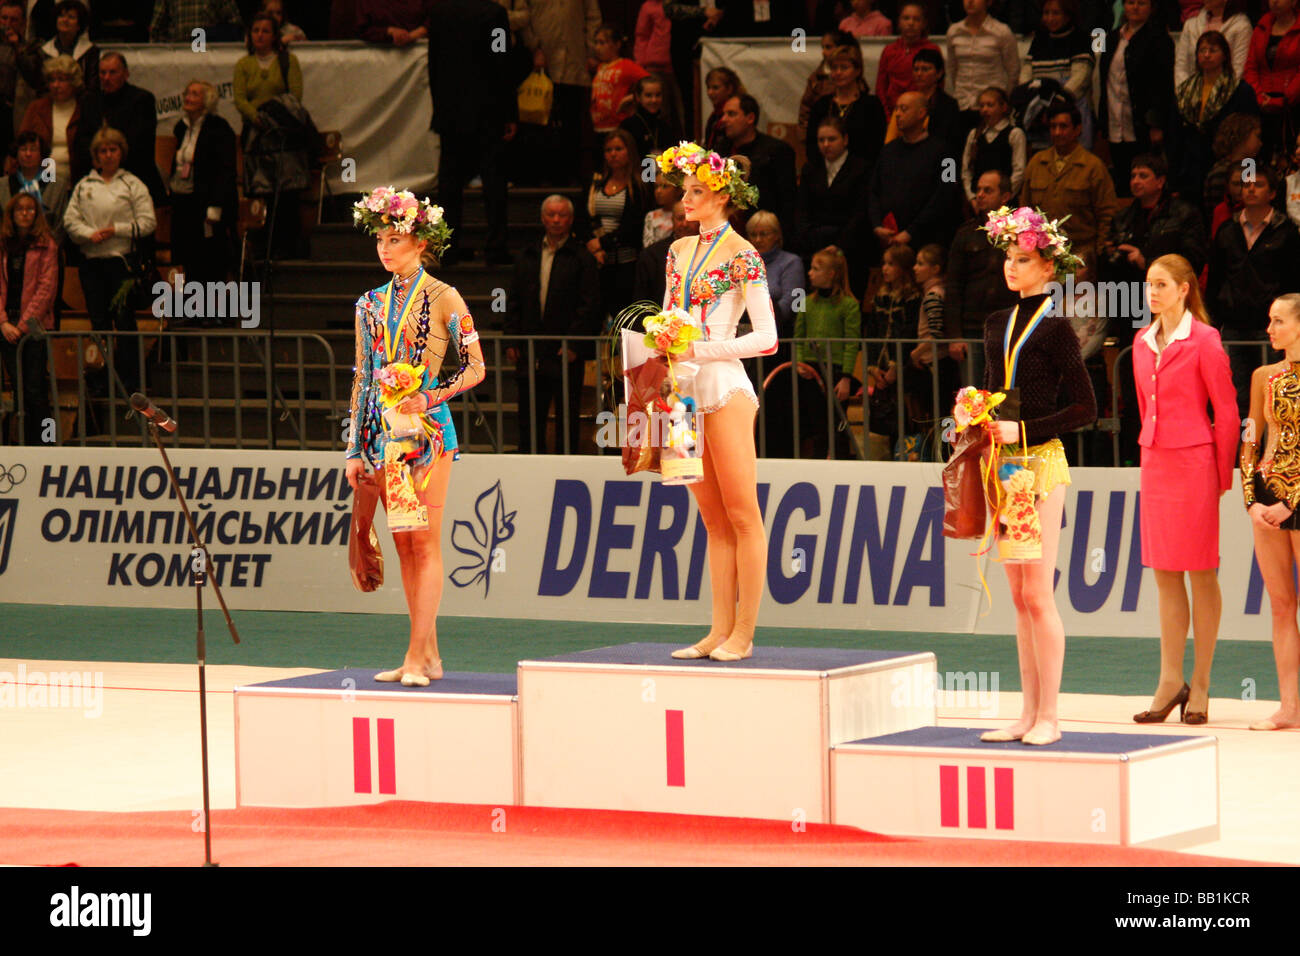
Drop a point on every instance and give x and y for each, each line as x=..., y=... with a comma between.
x=1004, y=798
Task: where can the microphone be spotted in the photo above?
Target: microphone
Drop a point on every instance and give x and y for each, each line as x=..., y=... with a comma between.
x=152, y=412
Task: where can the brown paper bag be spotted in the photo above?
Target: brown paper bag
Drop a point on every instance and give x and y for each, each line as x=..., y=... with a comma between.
x=643, y=374
x=364, y=559
x=965, y=505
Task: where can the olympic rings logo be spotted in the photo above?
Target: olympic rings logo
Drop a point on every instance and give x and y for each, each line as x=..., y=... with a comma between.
x=13, y=475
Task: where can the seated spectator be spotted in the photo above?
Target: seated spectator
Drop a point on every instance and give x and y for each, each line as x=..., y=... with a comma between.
x=56, y=116
x=994, y=144
x=1208, y=96
x=395, y=22
x=1137, y=91
x=289, y=33
x=73, y=39
x=894, y=74
x=830, y=209
x=982, y=52
x=126, y=108
x=851, y=102
x=771, y=160
x=659, y=221
x=51, y=193
x=651, y=283
x=617, y=203
x=174, y=21
x=29, y=278
x=1273, y=72
x=1237, y=140
x=910, y=201
x=865, y=22
x=975, y=285
x=555, y=291
x=943, y=119
x=648, y=123
x=926, y=356
x=1252, y=261
x=266, y=72
x=1061, y=50
x=1229, y=20
x=108, y=211
x=204, y=200
x=819, y=80
x=784, y=269
x=1067, y=180
x=720, y=85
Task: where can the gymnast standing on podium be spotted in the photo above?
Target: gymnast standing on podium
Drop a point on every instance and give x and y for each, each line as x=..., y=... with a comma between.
x=1033, y=355
x=716, y=277
x=412, y=322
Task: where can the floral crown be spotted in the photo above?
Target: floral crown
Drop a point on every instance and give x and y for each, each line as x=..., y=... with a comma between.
x=718, y=174
x=386, y=208
x=1029, y=229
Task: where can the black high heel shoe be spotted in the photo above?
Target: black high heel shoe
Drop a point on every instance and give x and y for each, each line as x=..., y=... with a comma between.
x=1158, y=716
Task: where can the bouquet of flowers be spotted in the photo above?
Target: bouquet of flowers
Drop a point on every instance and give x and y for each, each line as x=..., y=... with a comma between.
x=670, y=332
x=975, y=406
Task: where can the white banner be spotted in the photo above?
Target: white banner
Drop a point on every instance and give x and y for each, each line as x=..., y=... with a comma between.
x=850, y=544
x=377, y=96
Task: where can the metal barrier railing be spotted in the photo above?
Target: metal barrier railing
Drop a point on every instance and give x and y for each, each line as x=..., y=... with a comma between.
x=162, y=355
x=159, y=356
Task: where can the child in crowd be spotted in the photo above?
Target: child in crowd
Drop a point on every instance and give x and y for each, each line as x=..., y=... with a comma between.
x=994, y=144
x=652, y=51
x=866, y=22
x=895, y=309
x=819, y=81
x=830, y=312
x=611, y=87
x=894, y=75
x=649, y=124
x=659, y=221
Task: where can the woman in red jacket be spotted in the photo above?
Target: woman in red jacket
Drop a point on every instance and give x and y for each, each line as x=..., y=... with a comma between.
x=1187, y=464
x=29, y=270
x=1273, y=72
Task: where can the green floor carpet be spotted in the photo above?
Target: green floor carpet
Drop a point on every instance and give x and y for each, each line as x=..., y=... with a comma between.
x=1093, y=665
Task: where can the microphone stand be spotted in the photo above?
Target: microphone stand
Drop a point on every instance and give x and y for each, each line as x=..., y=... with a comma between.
x=200, y=561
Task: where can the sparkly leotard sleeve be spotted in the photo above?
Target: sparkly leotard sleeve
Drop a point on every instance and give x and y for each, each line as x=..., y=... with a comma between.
x=719, y=295
x=1279, y=468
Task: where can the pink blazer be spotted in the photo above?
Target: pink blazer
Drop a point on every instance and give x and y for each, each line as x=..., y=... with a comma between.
x=1193, y=372
x=40, y=282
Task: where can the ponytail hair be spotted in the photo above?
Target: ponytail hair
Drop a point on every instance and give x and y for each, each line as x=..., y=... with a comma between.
x=1180, y=270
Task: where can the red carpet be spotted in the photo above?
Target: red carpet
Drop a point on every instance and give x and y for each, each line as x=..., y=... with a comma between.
x=417, y=834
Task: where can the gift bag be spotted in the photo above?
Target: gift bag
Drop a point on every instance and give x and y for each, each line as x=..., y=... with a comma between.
x=364, y=559
x=535, y=96
x=676, y=428
x=965, y=492
x=643, y=376
x=1020, y=538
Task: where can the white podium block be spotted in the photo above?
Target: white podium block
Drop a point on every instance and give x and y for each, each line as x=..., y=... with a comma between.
x=1116, y=789
x=341, y=738
x=630, y=728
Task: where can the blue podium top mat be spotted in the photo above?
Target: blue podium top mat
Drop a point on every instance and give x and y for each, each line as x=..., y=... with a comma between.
x=363, y=679
x=765, y=658
x=969, y=738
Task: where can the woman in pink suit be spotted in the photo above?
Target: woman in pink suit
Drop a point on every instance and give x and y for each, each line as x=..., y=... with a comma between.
x=1187, y=464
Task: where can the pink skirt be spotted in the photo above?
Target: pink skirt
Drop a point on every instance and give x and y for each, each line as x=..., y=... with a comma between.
x=1180, y=508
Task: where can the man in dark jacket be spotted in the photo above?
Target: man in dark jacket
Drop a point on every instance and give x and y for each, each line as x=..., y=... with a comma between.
x=475, y=111
x=914, y=193
x=128, y=109
x=974, y=285
x=555, y=291
x=1153, y=225
x=1254, y=259
x=771, y=162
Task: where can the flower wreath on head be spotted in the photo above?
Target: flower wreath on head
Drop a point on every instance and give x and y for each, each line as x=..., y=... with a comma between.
x=1028, y=229
x=385, y=208
x=718, y=174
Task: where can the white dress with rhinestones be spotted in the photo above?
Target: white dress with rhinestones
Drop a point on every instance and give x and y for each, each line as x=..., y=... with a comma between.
x=721, y=291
